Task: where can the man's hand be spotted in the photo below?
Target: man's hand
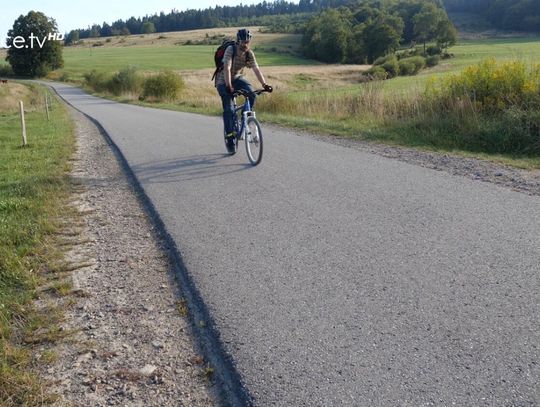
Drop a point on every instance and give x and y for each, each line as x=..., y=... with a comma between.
x=230, y=89
x=268, y=88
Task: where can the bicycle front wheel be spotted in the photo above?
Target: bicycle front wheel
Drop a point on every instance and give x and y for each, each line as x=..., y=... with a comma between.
x=254, y=141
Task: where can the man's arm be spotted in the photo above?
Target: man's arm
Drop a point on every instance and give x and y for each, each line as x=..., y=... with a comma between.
x=259, y=75
x=227, y=73
x=227, y=66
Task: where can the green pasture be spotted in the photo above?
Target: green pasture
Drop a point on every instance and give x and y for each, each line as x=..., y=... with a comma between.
x=470, y=52
x=147, y=58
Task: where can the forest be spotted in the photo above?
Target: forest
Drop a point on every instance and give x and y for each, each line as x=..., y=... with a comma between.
x=521, y=15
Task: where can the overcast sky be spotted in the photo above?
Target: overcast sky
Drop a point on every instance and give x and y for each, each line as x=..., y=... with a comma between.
x=70, y=15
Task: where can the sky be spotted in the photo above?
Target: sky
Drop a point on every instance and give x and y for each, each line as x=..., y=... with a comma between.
x=70, y=15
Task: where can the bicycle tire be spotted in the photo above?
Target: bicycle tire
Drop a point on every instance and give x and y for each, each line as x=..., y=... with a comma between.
x=254, y=140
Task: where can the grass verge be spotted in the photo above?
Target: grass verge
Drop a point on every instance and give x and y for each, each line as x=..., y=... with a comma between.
x=34, y=189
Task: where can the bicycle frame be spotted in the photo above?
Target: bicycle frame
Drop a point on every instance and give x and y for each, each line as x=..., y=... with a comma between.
x=245, y=108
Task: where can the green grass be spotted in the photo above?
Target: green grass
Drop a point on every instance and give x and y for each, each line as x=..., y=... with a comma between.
x=470, y=52
x=33, y=193
x=148, y=58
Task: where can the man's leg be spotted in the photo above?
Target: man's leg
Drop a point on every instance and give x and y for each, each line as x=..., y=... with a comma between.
x=242, y=83
x=228, y=124
x=227, y=103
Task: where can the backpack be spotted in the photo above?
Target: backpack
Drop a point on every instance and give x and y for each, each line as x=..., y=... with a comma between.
x=220, y=52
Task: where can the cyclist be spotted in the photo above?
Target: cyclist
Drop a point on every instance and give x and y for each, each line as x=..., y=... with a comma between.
x=235, y=59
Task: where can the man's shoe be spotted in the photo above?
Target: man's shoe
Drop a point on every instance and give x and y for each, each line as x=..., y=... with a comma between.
x=230, y=143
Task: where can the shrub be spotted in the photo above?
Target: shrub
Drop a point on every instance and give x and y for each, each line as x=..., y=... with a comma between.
x=492, y=107
x=163, y=86
x=376, y=72
x=433, y=50
x=98, y=81
x=412, y=65
x=5, y=70
x=496, y=86
x=391, y=66
x=384, y=59
x=97, y=44
x=407, y=67
x=433, y=60
x=411, y=52
x=127, y=80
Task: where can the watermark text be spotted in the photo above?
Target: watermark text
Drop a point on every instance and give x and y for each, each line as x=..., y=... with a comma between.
x=33, y=41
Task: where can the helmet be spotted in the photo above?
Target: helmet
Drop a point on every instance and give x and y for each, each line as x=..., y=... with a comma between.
x=243, y=35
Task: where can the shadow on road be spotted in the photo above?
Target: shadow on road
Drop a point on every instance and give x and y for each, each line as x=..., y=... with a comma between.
x=187, y=168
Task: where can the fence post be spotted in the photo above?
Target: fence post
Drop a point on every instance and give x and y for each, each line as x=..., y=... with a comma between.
x=47, y=107
x=23, y=124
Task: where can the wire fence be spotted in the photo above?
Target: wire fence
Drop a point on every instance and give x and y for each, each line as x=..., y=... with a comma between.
x=41, y=102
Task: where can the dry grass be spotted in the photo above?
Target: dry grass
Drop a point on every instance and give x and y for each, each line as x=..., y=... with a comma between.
x=180, y=37
x=200, y=91
x=11, y=93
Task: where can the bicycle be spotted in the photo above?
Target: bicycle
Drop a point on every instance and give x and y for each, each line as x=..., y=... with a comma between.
x=247, y=127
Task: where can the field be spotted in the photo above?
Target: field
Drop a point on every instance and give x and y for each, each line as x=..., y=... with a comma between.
x=470, y=52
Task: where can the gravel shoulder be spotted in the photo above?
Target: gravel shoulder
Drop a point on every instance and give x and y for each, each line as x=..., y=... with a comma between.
x=133, y=343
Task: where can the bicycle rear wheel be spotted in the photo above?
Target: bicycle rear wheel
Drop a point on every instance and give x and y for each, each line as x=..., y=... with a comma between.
x=254, y=141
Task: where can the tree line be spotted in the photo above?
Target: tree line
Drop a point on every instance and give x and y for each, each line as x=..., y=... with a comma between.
x=218, y=16
x=362, y=32
x=522, y=15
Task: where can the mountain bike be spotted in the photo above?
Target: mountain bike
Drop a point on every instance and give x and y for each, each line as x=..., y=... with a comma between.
x=247, y=127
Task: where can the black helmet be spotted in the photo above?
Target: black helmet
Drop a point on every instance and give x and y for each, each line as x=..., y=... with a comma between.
x=243, y=35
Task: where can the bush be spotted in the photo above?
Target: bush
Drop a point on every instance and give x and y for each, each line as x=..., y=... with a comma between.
x=492, y=107
x=391, y=66
x=5, y=70
x=411, y=52
x=433, y=50
x=382, y=60
x=412, y=65
x=496, y=86
x=407, y=67
x=377, y=73
x=163, y=86
x=65, y=77
x=433, y=60
x=98, y=81
x=126, y=80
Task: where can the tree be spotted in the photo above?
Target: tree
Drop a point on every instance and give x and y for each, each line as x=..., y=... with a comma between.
x=327, y=35
x=426, y=23
x=446, y=34
x=40, y=54
x=95, y=31
x=72, y=37
x=382, y=35
x=148, y=28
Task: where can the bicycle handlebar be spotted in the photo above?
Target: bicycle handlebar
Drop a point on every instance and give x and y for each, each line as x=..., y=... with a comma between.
x=245, y=93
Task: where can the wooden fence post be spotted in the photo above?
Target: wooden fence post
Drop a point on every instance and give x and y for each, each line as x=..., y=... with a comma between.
x=23, y=124
x=47, y=108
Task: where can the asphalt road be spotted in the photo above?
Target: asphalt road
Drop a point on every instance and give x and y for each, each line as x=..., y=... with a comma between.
x=337, y=277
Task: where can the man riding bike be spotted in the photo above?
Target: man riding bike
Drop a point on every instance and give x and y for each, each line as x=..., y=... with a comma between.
x=235, y=59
